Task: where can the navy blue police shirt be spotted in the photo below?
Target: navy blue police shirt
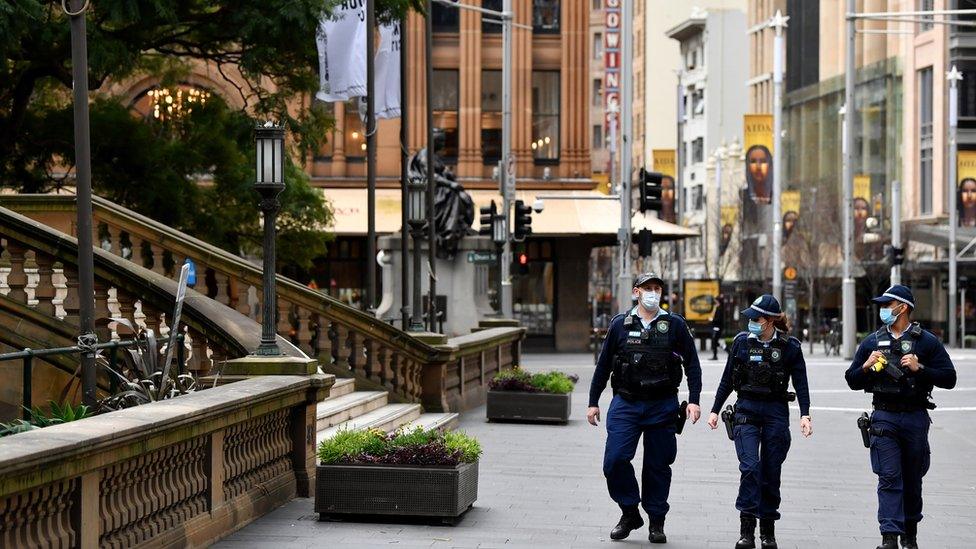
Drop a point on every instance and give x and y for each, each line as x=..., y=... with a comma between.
x=792, y=355
x=679, y=339
x=938, y=370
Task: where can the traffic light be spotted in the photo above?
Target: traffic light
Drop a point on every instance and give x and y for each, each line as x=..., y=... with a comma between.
x=651, y=191
x=521, y=264
x=645, y=241
x=897, y=255
x=488, y=214
x=523, y=221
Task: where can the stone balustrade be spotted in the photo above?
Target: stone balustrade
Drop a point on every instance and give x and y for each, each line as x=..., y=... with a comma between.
x=441, y=374
x=179, y=472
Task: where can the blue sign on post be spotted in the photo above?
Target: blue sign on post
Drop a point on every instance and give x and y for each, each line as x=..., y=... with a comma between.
x=191, y=279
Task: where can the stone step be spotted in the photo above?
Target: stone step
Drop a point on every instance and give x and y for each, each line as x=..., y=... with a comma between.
x=441, y=422
x=333, y=411
x=343, y=386
x=387, y=418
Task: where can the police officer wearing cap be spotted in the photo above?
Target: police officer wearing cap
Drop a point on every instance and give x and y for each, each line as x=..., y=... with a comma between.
x=900, y=364
x=761, y=364
x=643, y=356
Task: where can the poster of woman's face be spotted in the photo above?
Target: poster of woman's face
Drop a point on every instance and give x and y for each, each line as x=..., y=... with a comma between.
x=967, y=202
x=667, y=199
x=789, y=223
x=726, y=238
x=759, y=173
x=861, y=210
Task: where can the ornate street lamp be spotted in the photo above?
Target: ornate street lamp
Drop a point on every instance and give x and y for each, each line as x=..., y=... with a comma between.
x=269, y=139
x=417, y=217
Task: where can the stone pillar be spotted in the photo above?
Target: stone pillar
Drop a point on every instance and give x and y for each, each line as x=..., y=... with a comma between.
x=339, y=140
x=416, y=88
x=572, y=319
x=522, y=88
x=469, y=100
x=574, y=110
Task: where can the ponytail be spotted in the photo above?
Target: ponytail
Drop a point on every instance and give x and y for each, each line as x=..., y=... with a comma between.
x=781, y=322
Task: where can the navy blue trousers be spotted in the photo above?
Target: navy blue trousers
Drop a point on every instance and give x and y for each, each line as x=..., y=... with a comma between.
x=627, y=420
x=761, y=450
x=900, y=458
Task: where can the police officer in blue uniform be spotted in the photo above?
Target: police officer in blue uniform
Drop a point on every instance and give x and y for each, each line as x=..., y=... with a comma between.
x=643, y=356
x=900, y=364
x=761, y=364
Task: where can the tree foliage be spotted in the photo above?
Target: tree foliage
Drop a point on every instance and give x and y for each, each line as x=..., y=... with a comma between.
x=264, y=50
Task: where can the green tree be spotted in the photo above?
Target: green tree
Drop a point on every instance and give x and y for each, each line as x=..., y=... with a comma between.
x=154, y=167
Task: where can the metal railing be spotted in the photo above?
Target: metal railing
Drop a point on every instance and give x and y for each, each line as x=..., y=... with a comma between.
x=28, y=355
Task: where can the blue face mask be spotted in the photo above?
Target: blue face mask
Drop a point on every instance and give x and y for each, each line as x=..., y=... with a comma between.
x=755, y=327
x=887, y=316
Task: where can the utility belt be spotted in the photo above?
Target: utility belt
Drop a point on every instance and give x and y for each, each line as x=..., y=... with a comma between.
x=788, y=396
x=731, y=418
x=903, y=407
x=654, y=394
x=866, y=425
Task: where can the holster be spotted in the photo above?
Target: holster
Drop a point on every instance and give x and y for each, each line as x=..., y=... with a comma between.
x=864, y=424
x=679, y=424
x=728, y=418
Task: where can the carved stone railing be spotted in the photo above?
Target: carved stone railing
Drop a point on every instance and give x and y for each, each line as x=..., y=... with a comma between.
x=176, y=473
x=347, y=341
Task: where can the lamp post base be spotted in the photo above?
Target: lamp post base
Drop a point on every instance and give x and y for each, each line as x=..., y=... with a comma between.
x=268, y=349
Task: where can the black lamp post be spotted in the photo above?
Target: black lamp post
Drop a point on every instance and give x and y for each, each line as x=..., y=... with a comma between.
x=269, y=139
x=417, y=217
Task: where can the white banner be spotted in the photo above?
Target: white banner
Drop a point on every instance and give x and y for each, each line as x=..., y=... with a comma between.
x=341, y=44
x=388, y=72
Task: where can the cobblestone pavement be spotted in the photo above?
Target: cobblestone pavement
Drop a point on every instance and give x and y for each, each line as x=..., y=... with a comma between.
x=542, y=486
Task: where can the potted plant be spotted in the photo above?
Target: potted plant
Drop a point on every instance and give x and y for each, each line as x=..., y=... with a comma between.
x=516, y=395
x=408, y=472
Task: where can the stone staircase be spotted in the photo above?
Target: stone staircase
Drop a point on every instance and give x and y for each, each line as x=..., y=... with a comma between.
x=347, y=408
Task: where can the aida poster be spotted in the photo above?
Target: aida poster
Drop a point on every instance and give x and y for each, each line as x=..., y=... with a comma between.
x=730, y=217
x=966, y=193
x=758, y=140
x=790, y=206
x=663, y=162
x=862, y=204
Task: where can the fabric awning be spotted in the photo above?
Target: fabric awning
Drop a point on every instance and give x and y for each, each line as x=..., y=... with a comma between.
x=584, y=215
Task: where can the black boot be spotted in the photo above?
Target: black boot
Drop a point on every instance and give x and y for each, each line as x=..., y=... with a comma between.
x=888, y=541
x=767, y=533
x=909, y=540
x=656, y=532
x=747, y=533
x=629, y=521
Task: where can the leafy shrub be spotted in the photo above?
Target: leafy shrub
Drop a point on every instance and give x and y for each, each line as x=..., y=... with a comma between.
x=402, y=447
x=518, y=379
x=59, y=413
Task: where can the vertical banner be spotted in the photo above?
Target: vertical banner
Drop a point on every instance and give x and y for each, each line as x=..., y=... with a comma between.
x=862, y=204
x=730, y=218
x=701, y=297
x=611, y=62
x=758, y=140
x=966, y=197
x=663, y=162
x=341, y=44
x=388, y=72
x=790, y=206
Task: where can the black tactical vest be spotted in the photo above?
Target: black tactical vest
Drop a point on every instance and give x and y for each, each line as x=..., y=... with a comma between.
x=895, y=381
x=764, y=374
x=645, y=367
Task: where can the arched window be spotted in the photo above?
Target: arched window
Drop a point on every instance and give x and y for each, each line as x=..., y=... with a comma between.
x=169, y=103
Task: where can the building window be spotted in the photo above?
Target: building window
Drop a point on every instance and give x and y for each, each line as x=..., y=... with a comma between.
x=545, y=115
x=445, y=88
x=545, y=16
x=925, y=139
x=491, y=116
x=354, y=134
x=598, y=46
x=597, y=92
x=967, y=95
x=697, y=103
x=597, y=5
x=489, y=24
x=444, y=18
x=698, y=197
x=925, y=5
x=698, y=150
x=597, y=136
x=965, y=5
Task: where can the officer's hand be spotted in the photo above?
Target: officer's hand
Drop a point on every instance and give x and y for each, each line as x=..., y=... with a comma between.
x=713, y=420
x=910, y=362
x=694, y=412
x=806, y=426
x=875, y=355
x=593, y=415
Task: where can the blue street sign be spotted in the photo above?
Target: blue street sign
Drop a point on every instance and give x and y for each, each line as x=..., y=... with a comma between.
x=191, y=279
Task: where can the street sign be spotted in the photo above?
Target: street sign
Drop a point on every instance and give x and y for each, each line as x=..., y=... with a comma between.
x=789, y=290
x=482, y=257
x=510, y=164
x=789, y=273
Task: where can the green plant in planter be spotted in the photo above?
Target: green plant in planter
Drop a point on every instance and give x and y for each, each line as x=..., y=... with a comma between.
x=347, y=445
x=518, y=379
x=59, y=413
x=402, y=447
x=460, y=441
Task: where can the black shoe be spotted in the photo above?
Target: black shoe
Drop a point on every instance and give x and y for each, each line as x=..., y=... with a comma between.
x=889, y=541
x=767, y=533
x=909, y=540
x=747, y=533
x=656, y=533
x=629, y=521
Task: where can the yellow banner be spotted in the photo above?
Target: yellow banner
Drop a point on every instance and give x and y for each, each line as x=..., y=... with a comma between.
x=758, y=140
x=602, y=181
x=663, y=161
x=730, y=215
x=701, y=297
x=966, y=199
x=790, y=202
x=862, y=186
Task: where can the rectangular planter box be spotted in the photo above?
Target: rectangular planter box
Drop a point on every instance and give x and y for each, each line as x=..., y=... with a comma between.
x=443, y=492
x=519, y=406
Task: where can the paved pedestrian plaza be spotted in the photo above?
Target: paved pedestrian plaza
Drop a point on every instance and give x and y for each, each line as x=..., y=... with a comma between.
x=542, y=486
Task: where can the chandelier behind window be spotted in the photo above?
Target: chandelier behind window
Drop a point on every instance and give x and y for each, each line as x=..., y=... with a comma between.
x=171, y=104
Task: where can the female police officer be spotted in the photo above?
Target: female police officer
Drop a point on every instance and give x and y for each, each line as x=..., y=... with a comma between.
x=761, y=363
